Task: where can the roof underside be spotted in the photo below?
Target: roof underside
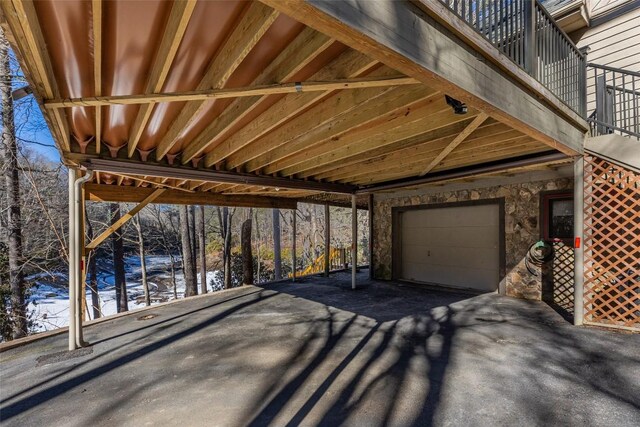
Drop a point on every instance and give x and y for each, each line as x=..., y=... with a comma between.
x=354, y=137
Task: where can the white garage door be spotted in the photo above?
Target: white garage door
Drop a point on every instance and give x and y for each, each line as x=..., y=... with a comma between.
x=456, y=246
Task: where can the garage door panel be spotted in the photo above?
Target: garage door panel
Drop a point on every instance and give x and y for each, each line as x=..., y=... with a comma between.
x=452, y=217
x=453, y=246
x=472, y=237
x=478, y=279
x=451, y=256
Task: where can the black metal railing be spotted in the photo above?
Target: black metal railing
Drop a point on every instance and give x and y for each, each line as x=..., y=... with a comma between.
x=525, y=32
x=613, y=100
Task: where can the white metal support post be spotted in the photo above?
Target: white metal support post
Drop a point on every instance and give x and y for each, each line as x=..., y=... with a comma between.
x=578, y=251
x=354, y=240
x=72, y=260
x=78, y=234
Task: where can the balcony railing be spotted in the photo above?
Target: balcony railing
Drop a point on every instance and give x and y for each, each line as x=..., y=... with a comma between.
x=525, y=32
x=613, y=99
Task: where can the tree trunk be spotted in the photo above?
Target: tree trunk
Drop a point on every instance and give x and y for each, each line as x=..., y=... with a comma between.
x=191, y=287
x=247, y=256
x=93, y=273
x=277, y=247
x=143, y=263
x=194, y=240
x=122, y=301
x=202, y=248
x=12, y=183
x=224, y=218
x=173, y=277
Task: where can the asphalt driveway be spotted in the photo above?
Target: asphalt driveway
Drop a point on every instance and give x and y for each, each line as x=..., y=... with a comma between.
x=317, y=353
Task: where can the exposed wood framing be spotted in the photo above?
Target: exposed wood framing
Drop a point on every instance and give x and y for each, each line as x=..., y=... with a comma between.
x=112, y=193
x=406, y=39
x=475, y=170
x=96, y=16
x=331, y=119
x=298, y=54
x=241, y=92
x=456, y=141
x=174, y=31
x=255, y=22
x=32, y=51
x=154, y=170
x=349, y=65
x=124, y=218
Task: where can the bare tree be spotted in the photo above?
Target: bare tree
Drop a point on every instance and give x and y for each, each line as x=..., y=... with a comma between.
x=122, y=301
x=224, y=217
x=202, y=248
x=277, y=247
x=191, y=286
x=143, y=264
x=12, y=182
x=247, y=256
x=93, y=273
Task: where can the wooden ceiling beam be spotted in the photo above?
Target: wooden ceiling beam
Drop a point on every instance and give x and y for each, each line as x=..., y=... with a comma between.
x=397, y=153
x=254, y=24
x=403, y=146
x=183, y=173
x=175, y=28
x=456, y=141
x=298, y=54
x=520, y=146
x=113, y=193
x=34, y=57
x=331, y=119
x=403, y=37
x=253, y=155
x=519, y=162
x=96, y=21
x=313, y=87
x=349, y=65
x=414, y=158
x=404, y=124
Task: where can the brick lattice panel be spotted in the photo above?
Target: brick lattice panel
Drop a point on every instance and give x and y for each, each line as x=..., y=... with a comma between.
x=611, y=244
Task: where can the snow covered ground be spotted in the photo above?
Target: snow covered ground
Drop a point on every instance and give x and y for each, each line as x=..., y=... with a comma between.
x=49, y=299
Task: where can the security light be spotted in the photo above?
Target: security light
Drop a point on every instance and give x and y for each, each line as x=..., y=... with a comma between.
x=458, y=107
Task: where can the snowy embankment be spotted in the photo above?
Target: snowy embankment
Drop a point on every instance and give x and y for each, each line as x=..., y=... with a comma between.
x=49, y=298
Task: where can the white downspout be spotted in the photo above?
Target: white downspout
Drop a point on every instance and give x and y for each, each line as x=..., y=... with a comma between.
x=78, y=235
x=72, y=260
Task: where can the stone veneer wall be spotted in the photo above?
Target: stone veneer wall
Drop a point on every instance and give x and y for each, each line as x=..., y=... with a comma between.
x=521, y=224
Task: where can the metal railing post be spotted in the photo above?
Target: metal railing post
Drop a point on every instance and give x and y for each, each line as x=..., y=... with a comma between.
x=530, y=45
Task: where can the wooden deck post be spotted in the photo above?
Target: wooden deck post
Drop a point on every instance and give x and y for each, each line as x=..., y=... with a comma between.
x=327, y=240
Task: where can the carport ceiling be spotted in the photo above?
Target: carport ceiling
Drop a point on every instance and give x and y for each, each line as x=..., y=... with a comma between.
x=211, y=85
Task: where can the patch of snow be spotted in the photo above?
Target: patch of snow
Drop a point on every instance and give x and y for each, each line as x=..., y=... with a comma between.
x=49, y=302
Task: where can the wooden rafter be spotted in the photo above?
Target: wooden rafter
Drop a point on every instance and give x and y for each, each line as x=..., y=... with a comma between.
x=298, y=54
x=184, y=173
x=255, y=22
x=350, y=65
x=456, y=141
x=332, y=108
x=25, y=27
x=113, y=193
x=124, y=219
x=240, y=92
x=174, y=31
x=312, y=128
x=96, y=16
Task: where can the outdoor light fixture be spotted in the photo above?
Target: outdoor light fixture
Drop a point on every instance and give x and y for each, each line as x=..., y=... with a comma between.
x=458, y=107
